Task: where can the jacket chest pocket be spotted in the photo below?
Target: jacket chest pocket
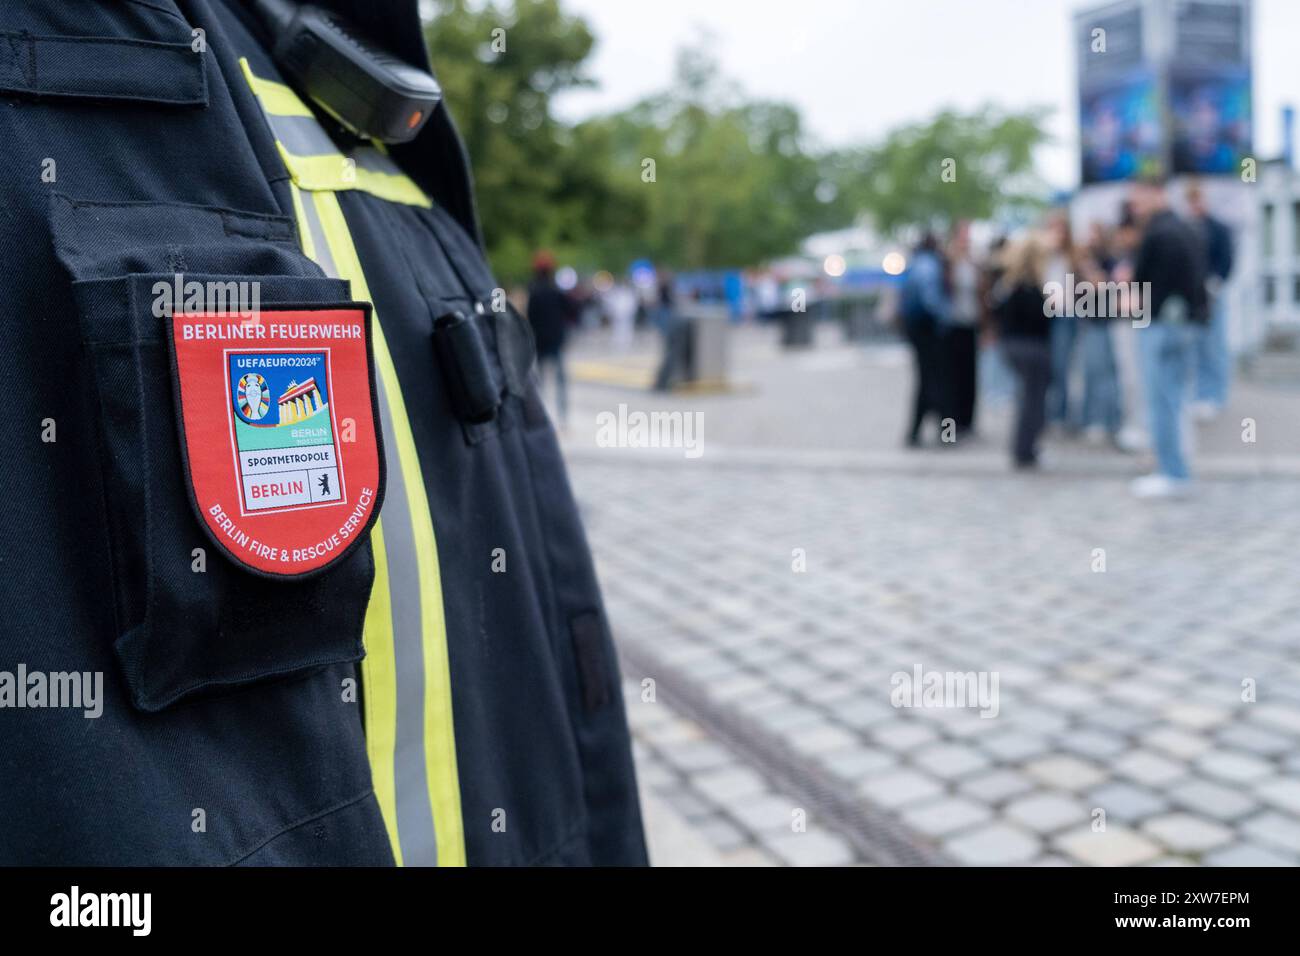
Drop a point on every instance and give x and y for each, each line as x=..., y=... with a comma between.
x=240, y=456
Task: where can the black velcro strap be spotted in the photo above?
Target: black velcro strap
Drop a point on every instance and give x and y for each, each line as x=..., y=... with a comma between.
x=589, y=639
x=473, y=387
x=102, y=68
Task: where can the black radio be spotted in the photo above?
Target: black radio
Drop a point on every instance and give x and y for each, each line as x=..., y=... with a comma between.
x=368, y=91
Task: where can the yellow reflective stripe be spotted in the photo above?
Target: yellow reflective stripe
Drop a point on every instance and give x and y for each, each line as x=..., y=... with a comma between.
x=379, y=667
x=439, y=732
x=379, y=691
x=400, y=188
x=335, y=172
x=319, y=172
x=300, y=216
x=276, y=98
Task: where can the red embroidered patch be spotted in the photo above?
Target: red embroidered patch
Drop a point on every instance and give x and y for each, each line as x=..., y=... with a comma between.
x=280, y=431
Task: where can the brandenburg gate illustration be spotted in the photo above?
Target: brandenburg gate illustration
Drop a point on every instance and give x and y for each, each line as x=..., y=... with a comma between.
x=299, y=402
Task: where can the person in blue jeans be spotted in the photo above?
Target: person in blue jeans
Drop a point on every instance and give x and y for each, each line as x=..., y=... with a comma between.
x=1168, y=348
x=1064, y=410
x=1213, y=360
x=1170, y=271
x=1101, y=396
x=1102, y=407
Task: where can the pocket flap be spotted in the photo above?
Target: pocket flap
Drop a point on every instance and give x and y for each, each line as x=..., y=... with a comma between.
x=102, y=68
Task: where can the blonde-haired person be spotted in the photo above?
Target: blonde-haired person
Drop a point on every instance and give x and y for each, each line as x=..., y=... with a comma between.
x=1061, y=260
x=1024, y=330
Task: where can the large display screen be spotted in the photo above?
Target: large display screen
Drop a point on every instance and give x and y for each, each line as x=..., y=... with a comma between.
x=1164, y=87
x=1211, y=119
x=1120, y=128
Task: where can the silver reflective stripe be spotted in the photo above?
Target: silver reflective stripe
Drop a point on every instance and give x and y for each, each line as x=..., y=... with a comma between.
x=302, y=135
x=324, y=258
x=414, y=812
x=415, y=830
x=371, y=159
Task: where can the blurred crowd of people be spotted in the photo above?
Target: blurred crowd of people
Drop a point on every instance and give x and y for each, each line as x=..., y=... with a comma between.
x=1115, y=337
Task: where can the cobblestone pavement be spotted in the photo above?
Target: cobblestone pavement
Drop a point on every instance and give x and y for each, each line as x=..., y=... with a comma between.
x=1147, y=697
x=1118, y=691
x=731, y=808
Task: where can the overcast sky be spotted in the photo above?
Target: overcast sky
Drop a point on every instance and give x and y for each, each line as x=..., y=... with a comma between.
x=857, y=68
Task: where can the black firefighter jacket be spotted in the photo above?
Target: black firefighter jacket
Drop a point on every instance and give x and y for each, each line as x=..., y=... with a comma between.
x=291, y=571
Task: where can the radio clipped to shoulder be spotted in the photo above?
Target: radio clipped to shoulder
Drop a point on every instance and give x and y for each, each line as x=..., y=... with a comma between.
x=370, y=92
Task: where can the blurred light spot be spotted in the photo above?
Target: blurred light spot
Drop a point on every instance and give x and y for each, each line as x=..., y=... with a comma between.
x=834, y=265
x=894, y=263
x=643, y=273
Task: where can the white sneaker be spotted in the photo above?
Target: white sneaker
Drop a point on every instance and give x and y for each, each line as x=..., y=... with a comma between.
x=1203, y=412
x=1131, y=440
x=1096, y=435
x=1159, y=486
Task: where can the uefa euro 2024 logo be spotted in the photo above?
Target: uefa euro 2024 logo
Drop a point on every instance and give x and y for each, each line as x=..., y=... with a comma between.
x=282, y=430
x=253, y=397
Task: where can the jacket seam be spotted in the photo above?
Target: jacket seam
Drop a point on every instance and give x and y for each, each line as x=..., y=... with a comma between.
x=303, y=821
x=160, y=9
x=573, y=836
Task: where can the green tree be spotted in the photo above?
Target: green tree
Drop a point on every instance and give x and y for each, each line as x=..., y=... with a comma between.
x=538, y=183
x=955, y=166
x=733, y=180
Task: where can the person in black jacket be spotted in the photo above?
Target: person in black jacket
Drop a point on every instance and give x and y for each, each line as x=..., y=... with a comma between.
x=960, y=344
x=549, y=310
x=924, y=310
x=1169, y=270
x=1213, y=360
x=1024, y=329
